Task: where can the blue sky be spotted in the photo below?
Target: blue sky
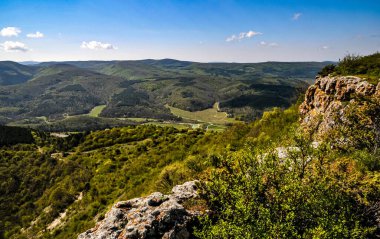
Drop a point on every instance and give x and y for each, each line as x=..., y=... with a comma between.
x=198, y=30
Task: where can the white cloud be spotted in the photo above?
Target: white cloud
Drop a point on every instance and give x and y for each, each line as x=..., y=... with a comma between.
x=252, y=34
x=296, y=16
x=325, y=47
x=273, y=44
x=270, y=44
x=242, y=35
x=10, y=32
x=231, y=38
x=35, y=35
x=14, y=46
x=95, y=45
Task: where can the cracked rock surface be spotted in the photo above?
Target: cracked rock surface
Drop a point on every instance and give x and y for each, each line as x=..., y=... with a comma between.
x=330, y=96
x=154, y=216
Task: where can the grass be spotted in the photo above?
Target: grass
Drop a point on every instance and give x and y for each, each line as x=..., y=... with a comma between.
x=175, y=125
x=9, y=109
x=217, y=128
x=210, y=119
x=211, y=116
x=147, y=121
x=95, y=112
x=44, y=118
x=139, y=120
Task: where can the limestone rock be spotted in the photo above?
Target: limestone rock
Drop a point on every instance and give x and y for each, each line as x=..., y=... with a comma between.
x=328, y=98
x=154, y=216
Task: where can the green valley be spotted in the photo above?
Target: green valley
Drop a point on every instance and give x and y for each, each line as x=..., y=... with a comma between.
x=96, y=139
x=179, y=119
x=142, y=89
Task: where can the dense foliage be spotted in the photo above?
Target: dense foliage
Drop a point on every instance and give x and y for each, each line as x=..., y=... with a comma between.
x=83, y=173
x=364, y=66
x=59, y=185
x=14, y=135
x=358, y=127
x=324, y=192
x=310, y=192
x=13, y=73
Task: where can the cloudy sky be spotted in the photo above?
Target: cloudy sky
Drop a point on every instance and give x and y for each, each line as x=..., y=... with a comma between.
x=197, y=30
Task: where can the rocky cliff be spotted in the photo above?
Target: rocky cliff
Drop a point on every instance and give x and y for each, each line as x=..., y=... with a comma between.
x=154, y=216
x=328, y=101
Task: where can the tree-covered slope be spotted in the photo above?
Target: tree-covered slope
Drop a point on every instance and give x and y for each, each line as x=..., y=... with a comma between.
x=43, y=179
x=320, y=179
x=15, y=135
x=141, y=89
x=363, y=66
x=104, y=167
x=324, y=191
x=12, y=73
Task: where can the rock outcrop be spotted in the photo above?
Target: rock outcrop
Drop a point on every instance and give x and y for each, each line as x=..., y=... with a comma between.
x=328, y=99
x=154, y=216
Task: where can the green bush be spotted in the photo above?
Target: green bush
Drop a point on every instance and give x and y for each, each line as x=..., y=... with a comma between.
x=363, y=66
x=257, y=195
x=327, y=70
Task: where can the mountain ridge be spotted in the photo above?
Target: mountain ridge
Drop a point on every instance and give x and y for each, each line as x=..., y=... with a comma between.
x=141, y=89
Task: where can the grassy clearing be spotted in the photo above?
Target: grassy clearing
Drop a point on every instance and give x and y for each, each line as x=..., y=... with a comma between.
x=211, y=116
x=139, y=120
x=5, y=110
x=175, y=125
x=217, y=128
x=44, y=118
x=95, y=112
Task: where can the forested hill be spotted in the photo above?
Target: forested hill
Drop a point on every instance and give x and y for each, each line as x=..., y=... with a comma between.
x=15, y=135
x=47, y=92
x=309, y=171
x=81, y=174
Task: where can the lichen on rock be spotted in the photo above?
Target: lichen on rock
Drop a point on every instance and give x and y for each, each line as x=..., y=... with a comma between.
x=333, y=100
x=154, y=216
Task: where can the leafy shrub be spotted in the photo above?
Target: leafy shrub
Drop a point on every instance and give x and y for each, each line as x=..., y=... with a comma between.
x=327, y=70
x=307, y=195
x=365, y=66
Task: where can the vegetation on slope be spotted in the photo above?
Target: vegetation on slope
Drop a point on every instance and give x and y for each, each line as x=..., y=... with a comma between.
x=107, y=166
x=141, y=89
x=320, y=192
x=14, y=135
x=313, y=193
x=44, y=179
x=212, y=115
x=12, y=73
x=363, y=66
x=325, y=190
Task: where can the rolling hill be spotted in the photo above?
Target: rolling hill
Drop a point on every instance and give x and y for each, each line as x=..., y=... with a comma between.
x=141, y=89
x=13, y=73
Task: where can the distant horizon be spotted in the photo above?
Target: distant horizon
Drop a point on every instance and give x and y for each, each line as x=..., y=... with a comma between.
x=238, y=31
x=158, y=59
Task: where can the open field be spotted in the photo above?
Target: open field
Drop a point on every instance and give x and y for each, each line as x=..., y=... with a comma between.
x=212, y=115
x=95, y=112
x=138, y=120
x=175, y=125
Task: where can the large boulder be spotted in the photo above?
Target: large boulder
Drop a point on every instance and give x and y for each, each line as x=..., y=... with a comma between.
x=154, y=216
x=328, y=100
